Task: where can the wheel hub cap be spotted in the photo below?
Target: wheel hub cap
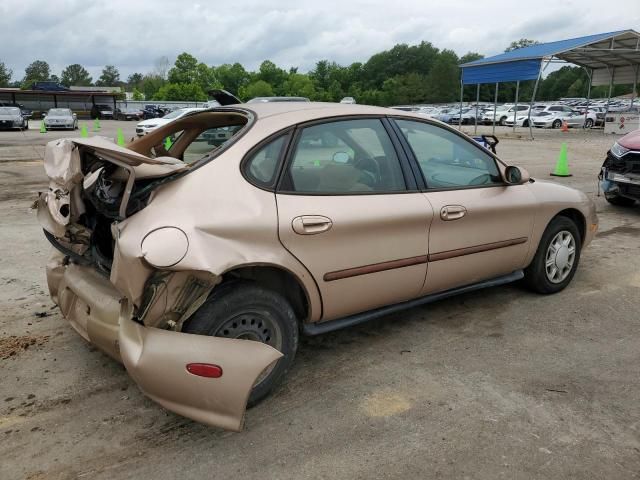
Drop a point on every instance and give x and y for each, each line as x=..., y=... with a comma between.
x=560, y=256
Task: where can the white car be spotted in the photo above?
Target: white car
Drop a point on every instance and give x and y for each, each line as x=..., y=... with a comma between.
x=151, y=124
x=503, y=112
x=554, y=119
x=428, y=112
x=348, y=100
x=62, y=118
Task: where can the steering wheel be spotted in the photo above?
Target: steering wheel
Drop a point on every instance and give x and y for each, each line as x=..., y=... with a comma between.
x=481, y=179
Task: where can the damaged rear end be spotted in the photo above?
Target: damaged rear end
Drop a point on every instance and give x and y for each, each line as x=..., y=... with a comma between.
x=118, y=282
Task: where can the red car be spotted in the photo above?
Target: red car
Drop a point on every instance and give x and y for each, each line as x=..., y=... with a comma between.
x=620, y=173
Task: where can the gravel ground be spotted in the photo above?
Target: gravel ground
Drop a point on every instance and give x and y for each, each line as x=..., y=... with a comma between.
x=500, y=383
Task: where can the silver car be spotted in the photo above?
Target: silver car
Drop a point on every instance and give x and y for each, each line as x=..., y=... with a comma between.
x=11, y=117
x=62, y=118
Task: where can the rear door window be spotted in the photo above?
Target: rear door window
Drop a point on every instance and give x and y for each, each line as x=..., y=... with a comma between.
x=351, y=156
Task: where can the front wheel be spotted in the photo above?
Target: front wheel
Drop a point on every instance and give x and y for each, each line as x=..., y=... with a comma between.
x=244, y=310
x=525, y=124
x=556, y=124
x=557, y=257
x=588, y=123
x=503, y=121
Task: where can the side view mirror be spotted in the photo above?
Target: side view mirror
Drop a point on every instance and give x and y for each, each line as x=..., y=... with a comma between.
x=516, y=175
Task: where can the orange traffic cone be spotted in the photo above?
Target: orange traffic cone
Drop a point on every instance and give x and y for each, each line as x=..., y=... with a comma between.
x=565, y=127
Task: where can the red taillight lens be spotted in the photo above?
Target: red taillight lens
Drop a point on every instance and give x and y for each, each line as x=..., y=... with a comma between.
x=207, y=370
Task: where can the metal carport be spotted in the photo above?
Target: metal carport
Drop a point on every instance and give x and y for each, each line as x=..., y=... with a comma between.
x=609, y=58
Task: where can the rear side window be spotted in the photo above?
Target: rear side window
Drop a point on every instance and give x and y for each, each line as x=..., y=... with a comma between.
x=262, y=166
x=344, y=157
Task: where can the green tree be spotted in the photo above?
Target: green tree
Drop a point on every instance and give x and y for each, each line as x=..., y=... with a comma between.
x=205, y=78
x=298, y=85
x=523, y=42
x=259, y=88
x=135, y=80
x=232, y=77
x=75, y=75
x=443, y=80
x=151, y=83
x=184, y=70
x=5, y=75
x=37, y=71
x=137, y=94
x=272, y=74
x=110, y=77
x=181, y=91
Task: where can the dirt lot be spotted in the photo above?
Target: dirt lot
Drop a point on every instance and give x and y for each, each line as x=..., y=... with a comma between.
x=500, y=383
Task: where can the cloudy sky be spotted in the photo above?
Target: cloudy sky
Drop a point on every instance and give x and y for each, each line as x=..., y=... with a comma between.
x=132, y=34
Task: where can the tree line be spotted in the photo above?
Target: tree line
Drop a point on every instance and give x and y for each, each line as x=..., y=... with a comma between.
x=404, y=74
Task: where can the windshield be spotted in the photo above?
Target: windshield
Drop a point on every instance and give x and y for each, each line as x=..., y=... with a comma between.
x=9, y=111
x=175, y=113
x=59, y=111
x=543, y=114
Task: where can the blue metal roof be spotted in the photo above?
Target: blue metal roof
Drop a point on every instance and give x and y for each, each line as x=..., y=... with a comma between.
x=543, y=49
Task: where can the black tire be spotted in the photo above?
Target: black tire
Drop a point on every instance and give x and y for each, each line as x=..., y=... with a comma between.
x=588, y=123
x=535, y=275
x=556, y=124
x=619, y=200
x=236, y=302
x=503, y=121
x=525, y=124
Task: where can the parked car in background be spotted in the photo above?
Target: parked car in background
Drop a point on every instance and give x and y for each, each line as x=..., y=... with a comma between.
x=49, y=86
x=26, y=113
x=129, y=113
x=151, y=124
x=62, y=118
x=428, y=112
x=11, y=117
x=152, y=111
x=555, y=119
x=468, y=116
x=278, y=99
x=199, y=276
x=348, y=100
x=102, y=111
x=620, y=173
x=445, y=114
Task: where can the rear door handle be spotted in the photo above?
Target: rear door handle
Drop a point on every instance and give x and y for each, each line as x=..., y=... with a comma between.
x=452, y=212
x=311, y=224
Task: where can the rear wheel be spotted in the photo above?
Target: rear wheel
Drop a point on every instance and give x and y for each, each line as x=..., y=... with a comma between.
x=525, y=124
x=619, y=200
x=588, y=123
x=503, y=121
x=244, y=310
x=557, y=257
x=556, y=124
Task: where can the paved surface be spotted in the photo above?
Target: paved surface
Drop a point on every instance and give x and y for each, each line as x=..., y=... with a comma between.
x=500, y=383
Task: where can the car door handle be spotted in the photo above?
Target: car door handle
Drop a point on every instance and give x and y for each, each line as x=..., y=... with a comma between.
x=311, y=224
x=452, y=212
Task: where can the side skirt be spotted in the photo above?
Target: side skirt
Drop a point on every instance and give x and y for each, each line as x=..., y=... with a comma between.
x=324, y=327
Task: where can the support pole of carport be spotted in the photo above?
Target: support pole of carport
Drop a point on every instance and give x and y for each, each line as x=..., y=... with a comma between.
x=515, y=108
x=475, y=123
x=612, y=72
x=533, y=96
x=586, y=112
x=495, y=107
x=634, y=92
x=461, y=94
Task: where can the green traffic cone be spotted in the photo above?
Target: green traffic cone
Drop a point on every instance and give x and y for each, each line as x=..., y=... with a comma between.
x=96, y=125
x=120, y=140
x=562, y=165
x=43, y=129
x=83, y=131
x=167, y=143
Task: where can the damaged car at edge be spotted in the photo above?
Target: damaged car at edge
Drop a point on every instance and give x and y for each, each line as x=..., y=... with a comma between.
x=620, y=173
x=199, y=272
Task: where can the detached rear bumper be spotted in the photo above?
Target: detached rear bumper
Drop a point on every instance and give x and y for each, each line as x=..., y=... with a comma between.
x=158, y=360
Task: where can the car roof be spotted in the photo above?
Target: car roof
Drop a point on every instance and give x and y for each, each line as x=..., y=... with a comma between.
x=310, y=110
